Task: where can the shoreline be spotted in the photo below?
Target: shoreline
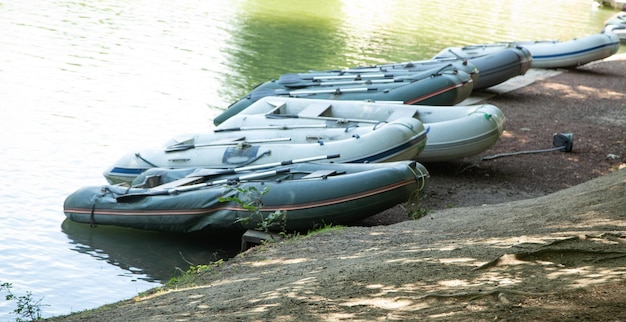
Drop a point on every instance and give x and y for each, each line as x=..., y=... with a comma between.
x=475, y=262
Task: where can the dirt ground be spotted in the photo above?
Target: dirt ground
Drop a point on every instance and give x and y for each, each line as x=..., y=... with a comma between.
x=532, y=236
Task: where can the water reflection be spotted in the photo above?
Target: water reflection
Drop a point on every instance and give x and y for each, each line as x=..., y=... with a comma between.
x=273, y=37
x=263, y=41
x=147, y=255
x=84, y=82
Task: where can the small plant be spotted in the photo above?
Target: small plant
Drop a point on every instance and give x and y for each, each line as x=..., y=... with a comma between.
x=27, y=308
x=413, y=206
x=187, y=277
x=251, y=201
x=417, y=212
x=325, y=228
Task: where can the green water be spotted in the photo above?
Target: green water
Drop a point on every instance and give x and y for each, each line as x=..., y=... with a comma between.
x=84, y=82
x=277, y=37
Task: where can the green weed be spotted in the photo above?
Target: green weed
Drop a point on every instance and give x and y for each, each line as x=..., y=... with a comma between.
x=251, y=201
x=325, y=228
x=188, y=277
x=28, y=308
x=413, y=206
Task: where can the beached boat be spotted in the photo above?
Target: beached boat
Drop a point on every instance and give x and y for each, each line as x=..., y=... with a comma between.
x=440, y=86
x=547, y=53
x=501, y=66
x=454, y=132
x=376, y=73
x=617, y=25
x=357, y=142
x=486, y=71
x=617, y=19
x=299, y=197
x=618, y=30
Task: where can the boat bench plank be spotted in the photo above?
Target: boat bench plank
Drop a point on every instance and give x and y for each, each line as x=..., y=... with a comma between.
x=320, y=174
x=178, y=183
x=278, y=105
x=230, y=140
x=401, y=113
x=315, y=109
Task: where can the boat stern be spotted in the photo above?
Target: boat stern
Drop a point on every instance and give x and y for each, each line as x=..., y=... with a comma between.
x=127, y=168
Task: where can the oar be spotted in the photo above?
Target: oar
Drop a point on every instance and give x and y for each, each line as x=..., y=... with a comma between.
x=174, y=191
x=183, y=147
x=357, y=76
x=205, y=173
x=416, y=63
x=211, y=172
x=336, y=91
x=407, y=76
x=349, y=82
x=401, y=67
x=295, y=78
x=321, y=118
x=270, y=127
x=455, y=54
x=354, y=77
x=258, y=94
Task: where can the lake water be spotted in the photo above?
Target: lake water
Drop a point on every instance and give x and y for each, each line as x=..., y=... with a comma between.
x=82, y=82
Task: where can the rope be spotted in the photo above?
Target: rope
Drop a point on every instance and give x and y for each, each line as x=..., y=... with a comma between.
x=418, y=178
x=485, y=114
x=377, y=124
x=404, y=125
x=105, y=191
x=521, y=152
x=455, y=54
x=144, y=160
x=440, y=70
x=92, y=219
x=350, y=126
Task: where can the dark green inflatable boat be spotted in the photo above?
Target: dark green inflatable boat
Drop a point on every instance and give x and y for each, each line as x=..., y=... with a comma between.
x=299, y=196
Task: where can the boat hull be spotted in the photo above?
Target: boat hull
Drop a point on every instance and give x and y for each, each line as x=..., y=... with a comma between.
x=618, y=30
x=454, y=132
x=501, y=66
x=495, y=64
x=378, y=72
x=617, y=25
x=457, y=132
x=433, y=87
x=572, y=53
x=354, y=192
x=617, y=19
x=401, y=139
x=548, y=53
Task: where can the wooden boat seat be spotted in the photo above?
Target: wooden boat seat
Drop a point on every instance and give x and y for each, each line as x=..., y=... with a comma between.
x=320, y=174
x=315, y=109
x=190, y=144
x=401, y=113
x=180, y=182
x=231, y=140
x=279, y=107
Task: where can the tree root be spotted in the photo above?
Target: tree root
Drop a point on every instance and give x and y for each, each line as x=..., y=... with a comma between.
x=548, y=251
x=501, y=295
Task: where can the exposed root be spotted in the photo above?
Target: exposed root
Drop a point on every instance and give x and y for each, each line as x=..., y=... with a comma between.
x=501, y=295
